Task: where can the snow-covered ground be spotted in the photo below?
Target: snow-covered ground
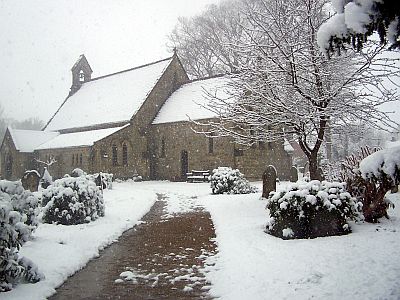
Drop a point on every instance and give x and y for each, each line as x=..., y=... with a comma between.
x=60, y=250
x=250, y=264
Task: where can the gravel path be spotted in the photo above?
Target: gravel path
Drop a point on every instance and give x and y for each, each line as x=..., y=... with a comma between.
x=162, y=258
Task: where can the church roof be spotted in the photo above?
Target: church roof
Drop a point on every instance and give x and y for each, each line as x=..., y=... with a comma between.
x=29, y=140
x=113, y=98
x=78, y=139
x=191, y=100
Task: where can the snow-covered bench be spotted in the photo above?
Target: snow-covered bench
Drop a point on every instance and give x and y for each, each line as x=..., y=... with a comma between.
x=198, y=176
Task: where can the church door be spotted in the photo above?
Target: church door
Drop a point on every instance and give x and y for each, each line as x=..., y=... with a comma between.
x=184, y=164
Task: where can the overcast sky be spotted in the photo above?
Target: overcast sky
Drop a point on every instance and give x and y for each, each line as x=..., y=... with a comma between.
x=40, y=41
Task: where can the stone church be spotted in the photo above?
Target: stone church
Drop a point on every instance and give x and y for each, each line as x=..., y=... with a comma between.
x=135, y=121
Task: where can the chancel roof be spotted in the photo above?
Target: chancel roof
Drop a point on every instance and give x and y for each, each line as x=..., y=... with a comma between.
x=78, y=139
x=114, y=98
x=29, y=140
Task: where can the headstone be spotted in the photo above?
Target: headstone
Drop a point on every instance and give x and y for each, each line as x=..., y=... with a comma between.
x=320, y=175
x=294, y=176
x=269, y=181
x=30, y=180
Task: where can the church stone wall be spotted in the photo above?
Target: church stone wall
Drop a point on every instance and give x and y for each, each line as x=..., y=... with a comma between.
x=136, y=144
x=64, y=162
x=180, y=136
x=21, y=162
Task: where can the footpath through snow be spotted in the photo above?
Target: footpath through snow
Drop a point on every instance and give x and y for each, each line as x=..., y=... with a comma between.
x=249, y=264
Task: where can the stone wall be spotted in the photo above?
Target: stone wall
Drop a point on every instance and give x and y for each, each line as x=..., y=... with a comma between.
x=64, y=163
x=20, y=161
x=180, y=136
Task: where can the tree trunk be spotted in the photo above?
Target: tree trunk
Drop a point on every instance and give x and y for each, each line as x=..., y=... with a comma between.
x=313, y=163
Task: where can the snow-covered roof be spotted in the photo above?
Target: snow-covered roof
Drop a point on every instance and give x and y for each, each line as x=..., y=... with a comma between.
x=78, y=139
x=28, y=140
x=108, y=99
x=191, y=100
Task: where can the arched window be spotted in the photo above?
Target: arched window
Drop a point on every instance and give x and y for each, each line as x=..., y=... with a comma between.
x=124, y=154
x=73, y=160
x=114, y=155
x=210, y=145
x=162, y=154
x=81, y=159
x=9, y=166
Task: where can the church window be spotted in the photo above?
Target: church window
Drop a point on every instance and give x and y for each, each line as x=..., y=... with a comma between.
x=124, y=154
x=238, y=152
x=80, y=159
x=210, y=145
x=114, y=155
x=73, y=160
x=162, y=154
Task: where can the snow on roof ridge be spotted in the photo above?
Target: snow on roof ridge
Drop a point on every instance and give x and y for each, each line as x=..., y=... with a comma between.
x=131, y=69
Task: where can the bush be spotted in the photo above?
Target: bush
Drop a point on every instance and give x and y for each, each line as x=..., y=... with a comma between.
x=18, y=219
x=311, y=210
x=224, y=180
x=72, y=200
x=369, y=175
x=23, y=201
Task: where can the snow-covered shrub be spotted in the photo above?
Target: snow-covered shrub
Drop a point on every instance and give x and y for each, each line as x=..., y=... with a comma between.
x=369, y=175
x=77, y=172
x=313, y=209
x=46, y=179
x=72, y=200
x=18, y=212
x=23, y=201
x=225, y=180
x=380, y=172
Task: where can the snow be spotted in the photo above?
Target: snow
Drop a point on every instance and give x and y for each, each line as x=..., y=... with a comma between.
x=250, y=264
x=351, y=17
x=190, y=101
x=76, y=139
x=60, y=251
x=254, y=265
x=386, y=161
x=28, y=140
x=109, y=99
x=287, y=147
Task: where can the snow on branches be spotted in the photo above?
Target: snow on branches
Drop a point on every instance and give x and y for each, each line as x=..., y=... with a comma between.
x=288, y=89
x=355, y=20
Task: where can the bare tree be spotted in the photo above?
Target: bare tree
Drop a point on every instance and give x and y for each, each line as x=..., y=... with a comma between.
x=203, y=41
x=288, y=89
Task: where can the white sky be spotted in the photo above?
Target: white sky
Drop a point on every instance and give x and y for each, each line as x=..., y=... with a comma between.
x=40, y=41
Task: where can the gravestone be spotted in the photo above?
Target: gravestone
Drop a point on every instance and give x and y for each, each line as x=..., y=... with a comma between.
x=294, y=176
x=320, y=174
x=30, y=180
x=269, y=181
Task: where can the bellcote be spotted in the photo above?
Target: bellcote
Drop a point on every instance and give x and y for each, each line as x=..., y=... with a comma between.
x=81, y=72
